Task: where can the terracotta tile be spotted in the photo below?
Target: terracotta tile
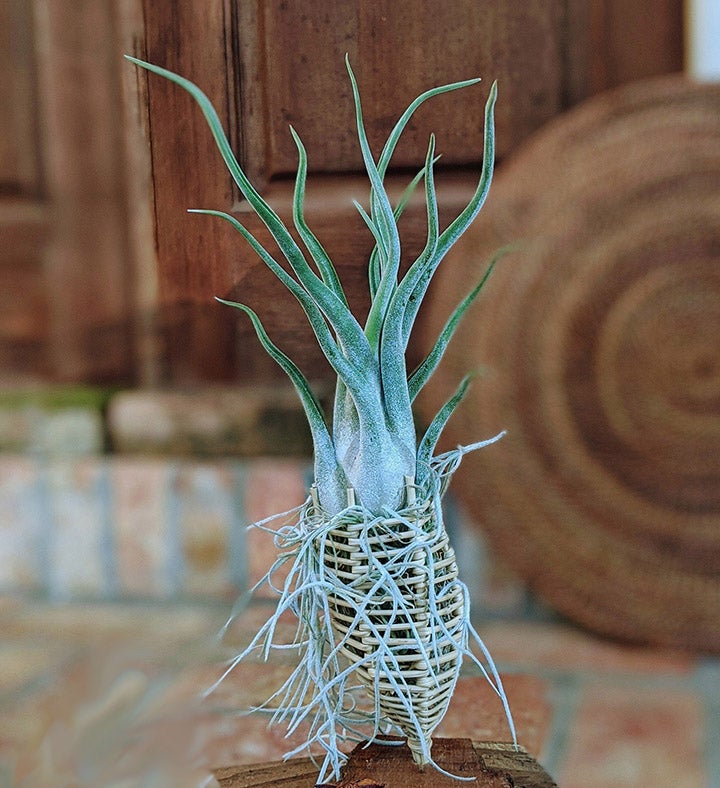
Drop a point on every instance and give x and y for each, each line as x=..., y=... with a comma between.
x=140, y=495
x=230, y=734
x=530, y=645
x=78, y=558
x=149, y=627
x=207, y=513
x=21, y=533
x=21, y=727
x=625, y=737
x=271, y=487
x=476, y=711
x=106, y=719
x=249, y=621
x=229, y=741
x=24, y=662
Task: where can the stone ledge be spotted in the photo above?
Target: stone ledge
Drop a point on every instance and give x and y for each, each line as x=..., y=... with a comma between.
x=53, y=420
x=211, y=422
x=247, y=421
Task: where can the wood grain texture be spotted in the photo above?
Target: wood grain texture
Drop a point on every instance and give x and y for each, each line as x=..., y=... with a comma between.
x=633, y=41
x=101, y=306
x=599, y=340
x=196, y=342
x=265, y=65
x=493, y=764
x=24, y=302
x=400, y=48
x=20, y=171
x=87, y=265
x=24, y=219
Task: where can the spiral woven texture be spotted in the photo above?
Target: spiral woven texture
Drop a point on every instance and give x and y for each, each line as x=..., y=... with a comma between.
x=599, y=340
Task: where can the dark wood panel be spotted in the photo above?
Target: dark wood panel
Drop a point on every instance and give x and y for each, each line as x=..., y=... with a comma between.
x=635, y=40
x=125, y=291
x=87, y=263
x=265, y=65
x=20, y=171
x=398, y=49
x=611, y=43
x=196, y=336
x=24, y=302
x=280, y=63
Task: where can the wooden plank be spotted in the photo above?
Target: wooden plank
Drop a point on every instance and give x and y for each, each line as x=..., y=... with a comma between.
x=398, y=49
x=19, y=154
x=265, y=65
x=140, y=212
x=621, y=60
x=295, y=773
x=198, y=339
x=24, y=219
x=493, y=764
x=87, y=260
x=24, y=307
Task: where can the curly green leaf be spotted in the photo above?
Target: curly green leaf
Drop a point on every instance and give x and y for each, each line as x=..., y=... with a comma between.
x=424, y=371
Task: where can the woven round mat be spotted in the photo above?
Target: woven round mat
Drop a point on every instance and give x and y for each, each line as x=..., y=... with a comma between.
x=599, y=341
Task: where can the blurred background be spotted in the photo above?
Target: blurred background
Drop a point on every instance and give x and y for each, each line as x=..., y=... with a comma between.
x=142, y=427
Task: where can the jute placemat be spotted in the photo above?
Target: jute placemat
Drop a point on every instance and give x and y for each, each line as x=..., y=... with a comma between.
x=599, y=340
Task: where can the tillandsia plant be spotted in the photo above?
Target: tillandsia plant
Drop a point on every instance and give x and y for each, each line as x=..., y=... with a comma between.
x=370, y=574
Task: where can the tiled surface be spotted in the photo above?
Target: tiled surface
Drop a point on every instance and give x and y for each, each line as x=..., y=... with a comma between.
x=119, y=570
x=100, y=527
x=139, y=514
x=636, y=735
x=102, y=692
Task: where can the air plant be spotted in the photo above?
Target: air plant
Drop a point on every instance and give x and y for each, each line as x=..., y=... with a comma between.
x=371, y=576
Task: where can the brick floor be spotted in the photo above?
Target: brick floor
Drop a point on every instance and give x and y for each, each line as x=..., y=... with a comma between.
x=140, y=500
x=120, y=570
x=627, y=735
x=110, y=689
x=535, y=645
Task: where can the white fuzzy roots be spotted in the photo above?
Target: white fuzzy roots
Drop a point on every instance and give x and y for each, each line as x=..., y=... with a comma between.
x=397, y=610
x=383, y=625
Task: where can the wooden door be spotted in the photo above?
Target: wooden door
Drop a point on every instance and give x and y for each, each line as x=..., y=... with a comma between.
x=265, y=65
x=68, y=272
x=23, y=217
x=268, y=64
x=103, y=275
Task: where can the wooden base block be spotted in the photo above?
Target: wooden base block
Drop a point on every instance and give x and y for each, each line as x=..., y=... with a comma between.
x=493, y=764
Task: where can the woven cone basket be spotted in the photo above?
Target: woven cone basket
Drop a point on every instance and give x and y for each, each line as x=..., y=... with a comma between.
x=400, y=616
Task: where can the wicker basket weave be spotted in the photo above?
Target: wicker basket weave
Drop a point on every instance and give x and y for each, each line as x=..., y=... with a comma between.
x=400, y=615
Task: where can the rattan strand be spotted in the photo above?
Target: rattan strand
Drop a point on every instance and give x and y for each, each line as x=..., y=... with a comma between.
x=419, y=641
